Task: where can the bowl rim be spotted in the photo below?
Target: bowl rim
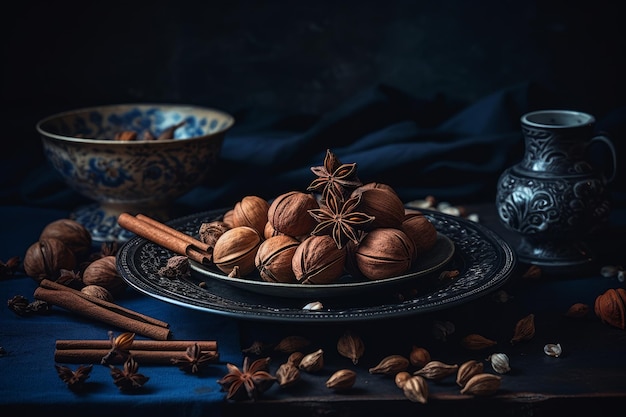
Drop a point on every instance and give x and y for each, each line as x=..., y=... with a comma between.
x=229, y=119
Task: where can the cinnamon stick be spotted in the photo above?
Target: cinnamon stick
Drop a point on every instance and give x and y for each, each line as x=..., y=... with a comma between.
x=51, y=285
x=164, y=238
x=177, y=233
x=152, y=345
x=113, y=315
x=96, y=355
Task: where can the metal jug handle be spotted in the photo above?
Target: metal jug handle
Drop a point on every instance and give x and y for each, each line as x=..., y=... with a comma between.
x=609, y=144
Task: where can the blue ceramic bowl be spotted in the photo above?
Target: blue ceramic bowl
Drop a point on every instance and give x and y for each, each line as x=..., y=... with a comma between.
x=139, y=175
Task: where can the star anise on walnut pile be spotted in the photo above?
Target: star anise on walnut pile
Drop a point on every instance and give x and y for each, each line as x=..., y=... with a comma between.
x=128, y=379
x=74, y=379
x=339, y=219
x=247, y=383
x=194, y=359
x=334, y=176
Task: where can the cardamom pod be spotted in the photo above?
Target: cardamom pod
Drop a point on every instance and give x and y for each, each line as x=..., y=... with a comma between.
x=552, y=349
x=467, y=370
x=341, y=380
x=351, y=346
x=499, y=362
x=295, y=358
x=482, y=385
x=524, y=329
x=476, y=342
x=312, y=362
x=436, y=370
x=287, y=375
x=390, y=365
x=416, y=389
x=291, y=344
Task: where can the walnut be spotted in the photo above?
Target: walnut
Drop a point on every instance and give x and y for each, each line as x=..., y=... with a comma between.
x=237, y=247
x=46, y=258
x=75, y=236
x=289, y=213
x=273, y=259
x=251, y=211
x=103, y=272
x=384, y=253
x=318, y=260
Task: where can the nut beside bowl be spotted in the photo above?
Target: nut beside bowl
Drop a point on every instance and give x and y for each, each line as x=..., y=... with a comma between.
x=135, y=176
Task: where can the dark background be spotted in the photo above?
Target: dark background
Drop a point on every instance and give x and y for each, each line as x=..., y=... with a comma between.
x=297, y=57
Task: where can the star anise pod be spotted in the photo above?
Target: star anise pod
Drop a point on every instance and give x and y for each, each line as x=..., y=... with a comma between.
x=250, y=382
x=128, y=379
x=9, y=267
x=334, y=176
x=74, y=379
x=70, y=279
x=194, y=359
x=120, y=347
x=19, y=305
x=338, y=219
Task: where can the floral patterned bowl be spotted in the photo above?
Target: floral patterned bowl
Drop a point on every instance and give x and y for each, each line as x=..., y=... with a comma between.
x=135, y=158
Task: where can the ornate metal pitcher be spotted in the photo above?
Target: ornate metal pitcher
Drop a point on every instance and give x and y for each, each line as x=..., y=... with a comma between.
x=553, y=198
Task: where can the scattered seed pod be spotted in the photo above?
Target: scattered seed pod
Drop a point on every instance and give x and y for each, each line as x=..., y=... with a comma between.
x=524, y=329
x=341, y=380
x=351, y=346
x=552, y=349
x=500, y=362
x=482, y=385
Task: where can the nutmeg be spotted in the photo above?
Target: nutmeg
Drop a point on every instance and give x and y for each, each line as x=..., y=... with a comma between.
x=237, y=247
x=251, y=211
x=289, y=213
x=384, y=253
x=273, y=259
x=318, y=260
x=103, y=272
x=46, y=258
x=421, y=231
x=73, y=234
x=383, y=204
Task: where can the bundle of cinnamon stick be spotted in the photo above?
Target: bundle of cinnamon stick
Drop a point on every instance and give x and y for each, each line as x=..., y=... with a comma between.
x=144, y=351
x=101, y=310
x=167, y=237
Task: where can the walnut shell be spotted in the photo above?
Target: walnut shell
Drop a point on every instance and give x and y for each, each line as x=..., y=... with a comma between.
x=237, y=247
x=73, y=234
x=103, y=272
x=383, y=204
x=421, y=231
x=209, y=232
x=46, y=258
x=273, y=259
x=251, y=211
x=318, y=260
x=384, y=253
x=289, y=213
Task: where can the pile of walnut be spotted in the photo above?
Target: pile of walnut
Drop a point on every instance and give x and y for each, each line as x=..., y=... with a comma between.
x=338, y=225
x=63, y=254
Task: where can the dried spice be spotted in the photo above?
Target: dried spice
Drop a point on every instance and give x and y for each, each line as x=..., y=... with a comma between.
x=482, y=385
x=524, y=329
x=194, y=359
x=610, y=307
x=442, y=329
x=74, y=380
x=553, y=349
x=292, y=344
x=390, y=365
x=477, y=342
x=500, y=362
x=249, y=382
x=351, y=346
x=287, y=374
x=70, y=278
x=128, y=378
x=419, y=356
x=436, y=370
x=339, y=219
x=312, y=362
x=467, y=370
x=334, y=177
x=177, y=266
x=415, y=389
x=18, y=304
x=120, y=347
x=577, y=310
x=9, y=267
x=533, y=272
x=257, y=348
x=341, y=380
